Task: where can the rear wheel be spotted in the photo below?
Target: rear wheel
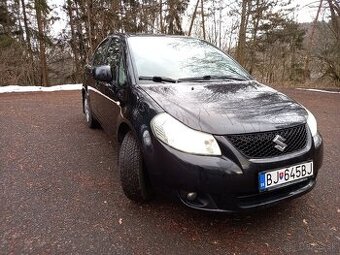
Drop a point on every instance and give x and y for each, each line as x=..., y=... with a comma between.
x=90, y=121
x=132, y=173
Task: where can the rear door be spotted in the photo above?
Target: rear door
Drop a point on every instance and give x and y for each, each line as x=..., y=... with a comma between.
x=94, y=87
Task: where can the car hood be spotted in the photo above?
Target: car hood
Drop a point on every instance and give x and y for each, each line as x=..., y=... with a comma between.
x=227, y=107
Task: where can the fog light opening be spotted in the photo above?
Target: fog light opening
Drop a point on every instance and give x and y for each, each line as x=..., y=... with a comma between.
x=196, y=199
x=191, y=196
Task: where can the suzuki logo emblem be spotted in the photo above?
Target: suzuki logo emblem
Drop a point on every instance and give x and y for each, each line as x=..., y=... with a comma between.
x=280, y=145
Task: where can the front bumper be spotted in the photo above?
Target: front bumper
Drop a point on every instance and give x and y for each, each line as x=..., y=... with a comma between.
x=228, y=183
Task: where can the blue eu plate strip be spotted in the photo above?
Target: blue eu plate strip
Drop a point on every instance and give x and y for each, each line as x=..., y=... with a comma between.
x=262, y=181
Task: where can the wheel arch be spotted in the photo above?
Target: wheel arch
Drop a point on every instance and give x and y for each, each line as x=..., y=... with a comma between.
x=123, y=129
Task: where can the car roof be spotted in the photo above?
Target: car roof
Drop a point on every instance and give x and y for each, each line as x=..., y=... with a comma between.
x=126, y=35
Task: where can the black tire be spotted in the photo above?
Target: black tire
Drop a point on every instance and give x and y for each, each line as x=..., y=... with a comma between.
x=89, y=118
x=132, y=175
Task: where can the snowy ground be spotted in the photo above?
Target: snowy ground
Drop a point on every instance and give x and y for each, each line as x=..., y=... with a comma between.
x=17, y=88
x=321, y=90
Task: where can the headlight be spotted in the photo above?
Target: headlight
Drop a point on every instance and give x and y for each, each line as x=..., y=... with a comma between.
x=179, y=136
x=311, y=121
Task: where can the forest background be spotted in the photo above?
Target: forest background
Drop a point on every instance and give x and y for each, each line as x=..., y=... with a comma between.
x=44, y=42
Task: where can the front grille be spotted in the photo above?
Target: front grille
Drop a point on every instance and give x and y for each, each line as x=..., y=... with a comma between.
x=261, y=145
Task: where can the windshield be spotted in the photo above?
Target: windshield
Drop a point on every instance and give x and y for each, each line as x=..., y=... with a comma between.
x=181, y=58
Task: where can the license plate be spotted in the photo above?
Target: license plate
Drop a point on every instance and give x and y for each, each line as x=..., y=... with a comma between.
x=281, y=177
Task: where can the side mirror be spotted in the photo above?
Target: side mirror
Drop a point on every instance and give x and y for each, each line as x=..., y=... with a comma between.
x=103, y=73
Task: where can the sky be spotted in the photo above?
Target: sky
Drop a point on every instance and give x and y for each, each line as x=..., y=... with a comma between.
x=306, y=12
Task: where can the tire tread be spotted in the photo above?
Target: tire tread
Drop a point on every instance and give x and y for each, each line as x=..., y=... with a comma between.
x=131, y=170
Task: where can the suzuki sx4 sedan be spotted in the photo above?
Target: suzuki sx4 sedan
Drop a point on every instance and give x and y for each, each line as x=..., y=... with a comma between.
x=190, y=120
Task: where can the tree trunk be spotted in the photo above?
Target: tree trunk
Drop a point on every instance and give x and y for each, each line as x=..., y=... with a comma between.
x=89, y=24
x=161, y=16
x=310, y=43
x=73, y=39
x=42, y=46
x=116, y=22
x=193, y=17
x=242, y=34
x=334, y=7
x=220, y=25
x=27, y=31
x=83, y=51
x=203, y=25
x=16, y=9
x=254, y=39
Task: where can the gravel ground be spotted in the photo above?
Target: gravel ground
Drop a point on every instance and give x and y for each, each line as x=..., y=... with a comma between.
x=60, y=192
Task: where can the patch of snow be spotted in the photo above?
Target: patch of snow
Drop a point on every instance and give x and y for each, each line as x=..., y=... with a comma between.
x=17, y=88
x=321, y=90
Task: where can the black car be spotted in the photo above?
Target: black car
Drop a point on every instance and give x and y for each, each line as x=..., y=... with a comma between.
x=189, y=119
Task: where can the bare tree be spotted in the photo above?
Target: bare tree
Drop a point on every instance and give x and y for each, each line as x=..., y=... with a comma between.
x=202, y=13
x=41, y=10
x=242, y=32
x=193, y=17
x=310, y=42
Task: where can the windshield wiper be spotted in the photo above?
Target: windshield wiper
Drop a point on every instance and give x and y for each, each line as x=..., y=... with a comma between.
x=214, y=77
x=157, y=79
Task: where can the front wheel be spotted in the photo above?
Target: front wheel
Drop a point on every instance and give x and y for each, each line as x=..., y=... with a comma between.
x=132, y=175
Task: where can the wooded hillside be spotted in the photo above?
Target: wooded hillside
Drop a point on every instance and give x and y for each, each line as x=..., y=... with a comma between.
x=261, y=34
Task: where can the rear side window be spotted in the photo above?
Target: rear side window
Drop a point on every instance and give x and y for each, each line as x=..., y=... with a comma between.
x=98, y=56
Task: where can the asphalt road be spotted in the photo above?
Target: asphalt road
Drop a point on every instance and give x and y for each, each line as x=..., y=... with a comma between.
x=60, y=192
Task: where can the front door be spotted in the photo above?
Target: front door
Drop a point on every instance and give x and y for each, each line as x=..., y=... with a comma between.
x=111, y=110
x=95, y=87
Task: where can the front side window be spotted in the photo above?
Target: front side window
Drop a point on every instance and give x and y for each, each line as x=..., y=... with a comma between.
x=122, y=79
x=113, y=53
x=98, y=56
x=115, y=60
x=181, y=58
